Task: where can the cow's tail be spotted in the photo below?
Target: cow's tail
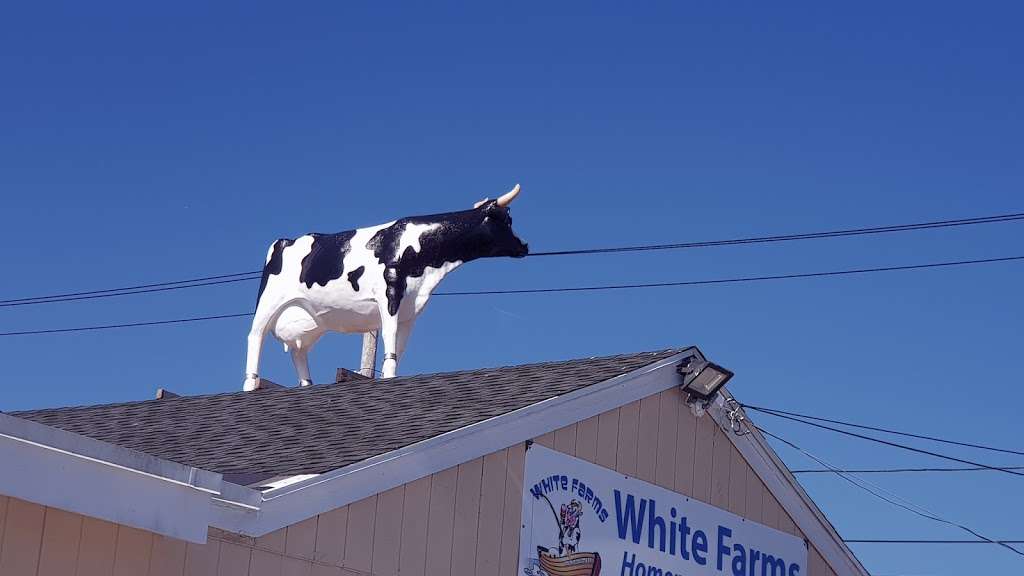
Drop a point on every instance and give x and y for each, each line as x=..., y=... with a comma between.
x=273, y=265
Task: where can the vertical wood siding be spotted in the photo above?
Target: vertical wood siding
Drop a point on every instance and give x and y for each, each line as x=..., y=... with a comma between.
x=464, y=520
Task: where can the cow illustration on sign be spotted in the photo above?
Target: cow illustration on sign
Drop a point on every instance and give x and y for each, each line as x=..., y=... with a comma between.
x=376, y=278
x=567, y=562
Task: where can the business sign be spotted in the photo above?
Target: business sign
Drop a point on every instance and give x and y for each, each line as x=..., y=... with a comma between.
x=580, y=519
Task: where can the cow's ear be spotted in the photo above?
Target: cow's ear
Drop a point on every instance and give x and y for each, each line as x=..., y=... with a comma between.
x=480, y=203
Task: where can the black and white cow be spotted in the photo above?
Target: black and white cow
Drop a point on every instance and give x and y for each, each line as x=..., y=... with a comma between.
x=376, y=278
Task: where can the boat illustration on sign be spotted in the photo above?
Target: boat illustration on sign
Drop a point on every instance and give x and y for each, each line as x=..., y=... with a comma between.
x=565, y=560
x=575, y=564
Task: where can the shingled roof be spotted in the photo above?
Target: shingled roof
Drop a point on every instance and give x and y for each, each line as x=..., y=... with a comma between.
x=290, y=431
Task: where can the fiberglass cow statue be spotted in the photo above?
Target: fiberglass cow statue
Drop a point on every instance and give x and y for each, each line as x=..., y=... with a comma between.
x=376, y=278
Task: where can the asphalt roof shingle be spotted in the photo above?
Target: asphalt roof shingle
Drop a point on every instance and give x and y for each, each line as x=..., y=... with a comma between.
x=278, y=432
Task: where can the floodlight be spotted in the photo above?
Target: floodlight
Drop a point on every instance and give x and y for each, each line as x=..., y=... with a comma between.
x=702, y=379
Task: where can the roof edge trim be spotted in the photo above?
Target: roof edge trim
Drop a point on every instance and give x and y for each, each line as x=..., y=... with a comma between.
x=111, y=482
x=84, y=447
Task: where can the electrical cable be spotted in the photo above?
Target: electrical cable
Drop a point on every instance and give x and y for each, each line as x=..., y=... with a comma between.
x=896, y=445
x=60, y=297
x=572, y=289
x=128, y=325
x=738, y=280
x=899, y=470
x=127, y=292
x=892, y=498
x=202, y=281
x=790, y=237
x=885, y=430
x=893, y=541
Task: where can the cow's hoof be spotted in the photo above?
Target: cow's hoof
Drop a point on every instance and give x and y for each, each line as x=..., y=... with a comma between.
x=305, y=382
x=251, y=384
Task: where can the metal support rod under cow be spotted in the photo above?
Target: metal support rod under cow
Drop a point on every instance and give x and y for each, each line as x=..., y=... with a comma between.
x=368, y=359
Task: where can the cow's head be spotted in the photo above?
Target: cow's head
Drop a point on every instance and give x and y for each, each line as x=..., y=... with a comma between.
x=496, y=226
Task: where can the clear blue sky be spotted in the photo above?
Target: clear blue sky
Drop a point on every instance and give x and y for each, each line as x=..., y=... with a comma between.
x=151, y=143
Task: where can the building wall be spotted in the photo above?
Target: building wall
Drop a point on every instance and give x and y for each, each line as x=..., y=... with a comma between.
x=460, y=521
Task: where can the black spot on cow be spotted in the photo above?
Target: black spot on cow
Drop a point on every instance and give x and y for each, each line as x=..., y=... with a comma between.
x=273, y=265
x=459, y=236
x=354, y=275
x=325, y=261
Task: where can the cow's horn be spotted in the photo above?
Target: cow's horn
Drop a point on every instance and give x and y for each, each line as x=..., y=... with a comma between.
x=480, y=203
x=508, y=197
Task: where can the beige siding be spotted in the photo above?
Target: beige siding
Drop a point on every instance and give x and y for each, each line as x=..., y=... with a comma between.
x=467, y=516
x=132, y=553
x=510, y=527
x=387, y=531
x=415, y=510
x=668, y=424
x=96, y=551
x=586, y=439
x=331, y=530
x=647, y=438
x=492, y=507
x=168, y=558
x=464, y=520
x=441, y=522
x=359, y=545
x=629, y=424
x=62, y=534
x=200, y=559
x=22, y=538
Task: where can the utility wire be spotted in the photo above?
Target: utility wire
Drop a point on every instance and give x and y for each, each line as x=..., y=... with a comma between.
x=243, y=276
x=791, y=237
x=129, y=325
x=896, y=445
x=572, y=289
x=893, y=541
x=891, y=498
x=158, y=288
x=175, y=285
x=743, y=279
x=899, y=470
x=885, y=430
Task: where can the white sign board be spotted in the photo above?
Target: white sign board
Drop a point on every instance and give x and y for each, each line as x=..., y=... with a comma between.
x=580, y=519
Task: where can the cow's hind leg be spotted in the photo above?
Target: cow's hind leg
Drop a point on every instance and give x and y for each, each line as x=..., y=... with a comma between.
x=301, y=361
x=253, y=349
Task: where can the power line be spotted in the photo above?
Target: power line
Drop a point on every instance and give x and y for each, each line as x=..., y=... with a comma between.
x=901, y=470
x=791, y=237
x=892, y=541
x=572, y=289
x=896, y=445
x=238, y=277
x=885, y=430
x=161, y=288
x=128, y=325
x=743, y=279
x=877, y=492
x=177, y=284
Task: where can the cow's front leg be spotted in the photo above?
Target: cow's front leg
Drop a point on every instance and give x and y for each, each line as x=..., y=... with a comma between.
x=389, y=336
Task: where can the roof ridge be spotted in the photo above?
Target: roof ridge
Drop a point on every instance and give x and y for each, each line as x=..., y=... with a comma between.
x=294, y=389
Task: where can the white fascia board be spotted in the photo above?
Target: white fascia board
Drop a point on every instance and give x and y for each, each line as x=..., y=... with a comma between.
x=239, y=496
x=64, y=470
x=784, y=486
x=296, y=502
